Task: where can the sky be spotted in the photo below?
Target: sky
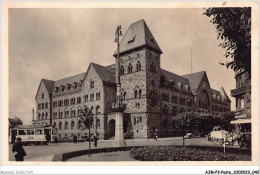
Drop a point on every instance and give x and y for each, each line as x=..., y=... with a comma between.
x=57, y=43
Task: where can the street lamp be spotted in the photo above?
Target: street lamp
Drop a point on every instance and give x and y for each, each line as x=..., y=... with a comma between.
x=118, y=107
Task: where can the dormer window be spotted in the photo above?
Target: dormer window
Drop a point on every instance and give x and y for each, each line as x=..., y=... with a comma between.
x=62, y=88
x=75, y=85
x=56, y=89
x=68, y=86
x=131, y=40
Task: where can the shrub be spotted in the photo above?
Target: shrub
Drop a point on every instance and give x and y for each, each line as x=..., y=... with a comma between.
x=171, y=153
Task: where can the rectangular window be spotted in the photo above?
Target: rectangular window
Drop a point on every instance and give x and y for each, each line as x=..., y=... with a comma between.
x=91, y=84
x=21, y=132
x=91, y=97
x=98, y=96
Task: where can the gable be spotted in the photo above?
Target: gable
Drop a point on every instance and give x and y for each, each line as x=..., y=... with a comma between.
x=42, y=90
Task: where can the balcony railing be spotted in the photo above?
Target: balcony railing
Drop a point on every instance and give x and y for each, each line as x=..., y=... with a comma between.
x=238, y=91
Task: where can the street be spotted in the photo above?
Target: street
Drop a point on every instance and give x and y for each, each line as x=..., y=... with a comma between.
x=46, y=152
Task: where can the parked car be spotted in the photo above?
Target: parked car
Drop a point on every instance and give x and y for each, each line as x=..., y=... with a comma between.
x=188, y=136
x=246, y=140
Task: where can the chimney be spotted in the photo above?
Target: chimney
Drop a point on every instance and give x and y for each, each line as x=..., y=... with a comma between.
x=32, y=115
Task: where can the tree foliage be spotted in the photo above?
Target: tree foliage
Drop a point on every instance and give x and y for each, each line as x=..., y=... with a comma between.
x=233, y=26
x=86, y=117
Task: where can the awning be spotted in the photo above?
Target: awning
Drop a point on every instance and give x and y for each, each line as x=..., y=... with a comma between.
x=238, y=121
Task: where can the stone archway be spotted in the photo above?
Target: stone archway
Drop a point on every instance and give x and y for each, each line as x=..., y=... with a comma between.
x=111, y=128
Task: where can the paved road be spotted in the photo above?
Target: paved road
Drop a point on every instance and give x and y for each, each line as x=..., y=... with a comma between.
x=46, y=152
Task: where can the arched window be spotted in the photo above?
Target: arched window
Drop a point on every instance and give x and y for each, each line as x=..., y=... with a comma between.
x=72, y=125
x=39, y=116
x=46, y=115
x=138, y=66
x=130, y=68
x=60, y=126
x=79, y=124
x=66, y=125
x=122, y=71
x=42, y=116
x=42, y=95
x=140, y=93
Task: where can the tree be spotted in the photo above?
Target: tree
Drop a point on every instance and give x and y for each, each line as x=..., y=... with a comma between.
x=234, y=28
x=226, y=118
x=184, y=121
x=86, y=118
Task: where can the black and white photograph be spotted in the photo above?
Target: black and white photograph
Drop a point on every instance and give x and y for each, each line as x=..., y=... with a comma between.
x=131, y=85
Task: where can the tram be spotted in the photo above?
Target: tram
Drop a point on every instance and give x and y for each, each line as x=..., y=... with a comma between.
x=32, y=134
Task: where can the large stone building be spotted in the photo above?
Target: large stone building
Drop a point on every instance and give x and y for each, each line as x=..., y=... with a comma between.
x=152, y=95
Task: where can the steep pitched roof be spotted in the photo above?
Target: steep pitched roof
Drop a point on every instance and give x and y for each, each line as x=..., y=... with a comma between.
x=176, y=78
x=223, y=93
x=104, y=73
x=49, y=84
x=194, y=79
x=69, y=80
x=138, y=35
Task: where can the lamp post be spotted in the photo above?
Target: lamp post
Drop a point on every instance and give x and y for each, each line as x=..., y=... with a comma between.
x=118, y=107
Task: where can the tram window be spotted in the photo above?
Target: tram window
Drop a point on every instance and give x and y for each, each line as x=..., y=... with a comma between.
x=30, y=132
x=38, y=131
x=21, y=132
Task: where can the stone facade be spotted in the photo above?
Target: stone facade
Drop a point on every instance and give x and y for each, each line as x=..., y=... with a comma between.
x=152, y=96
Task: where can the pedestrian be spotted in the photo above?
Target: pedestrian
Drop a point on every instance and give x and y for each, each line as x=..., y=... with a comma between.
x=75, y=139
x=95, y=141
x=55, y=140
x=155, y=136
x=18, y=150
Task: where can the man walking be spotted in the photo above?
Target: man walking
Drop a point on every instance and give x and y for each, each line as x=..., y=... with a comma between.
x=18, y=150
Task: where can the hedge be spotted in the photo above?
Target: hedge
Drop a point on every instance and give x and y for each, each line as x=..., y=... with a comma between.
x=173, y=153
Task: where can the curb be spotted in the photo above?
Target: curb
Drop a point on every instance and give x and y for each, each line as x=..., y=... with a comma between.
x=65, y=156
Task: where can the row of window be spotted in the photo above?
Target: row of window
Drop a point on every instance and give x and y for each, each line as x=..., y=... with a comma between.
x=43, y=105
x=72, y=125
x=73, y=101
x=174, y=99
x=91, y=97
x=43, y=116
x=68, y=87
x=67, y=113
x=130, y=68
